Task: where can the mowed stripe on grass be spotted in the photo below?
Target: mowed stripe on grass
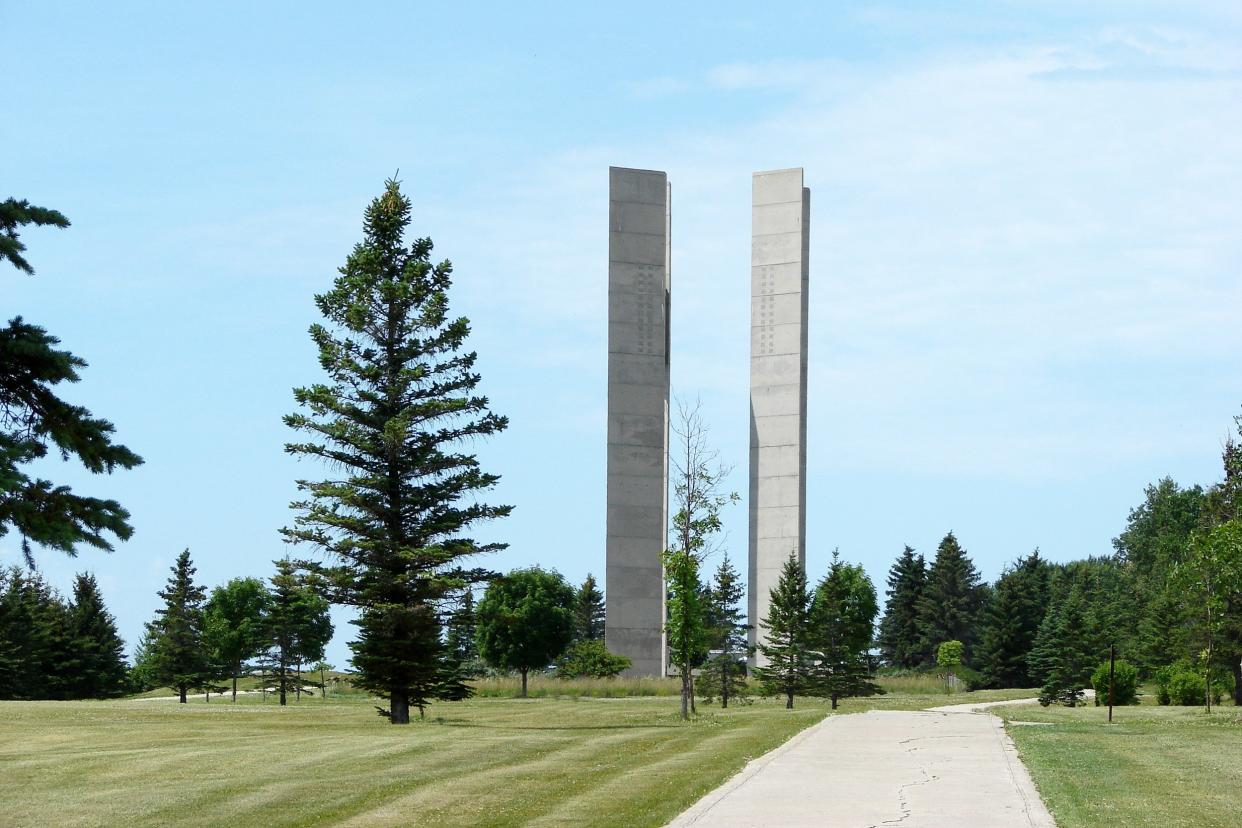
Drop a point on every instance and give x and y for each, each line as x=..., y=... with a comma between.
x=1153, y=767
x=484, y=762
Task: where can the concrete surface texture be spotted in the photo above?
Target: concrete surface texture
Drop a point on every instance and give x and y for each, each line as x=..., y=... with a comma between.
x=780, y=244
x=925, y=769
x=638, y=391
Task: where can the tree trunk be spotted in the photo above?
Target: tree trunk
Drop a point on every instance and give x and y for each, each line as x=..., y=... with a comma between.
x=299, y=687
x=685, y=691
x=693, y=710
x=181, y=688
x=523, y=683
x=399, y=708
x=724, y=684
x=834, y=701
x=1237, y=681
x=283, y=681
x=207, y=695
x=234, y=686
x=789, y=699
x=323, y=687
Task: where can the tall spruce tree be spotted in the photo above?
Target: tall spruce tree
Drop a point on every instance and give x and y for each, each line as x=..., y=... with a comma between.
x=100, y=669
x=949, y=608
x=901, y=640
x=33, y=420
x=842, y=622
x=589, y=610
x=790, y=667
x=176, y=652
x=1012, y=623
x=398, y=406
x=723, y=675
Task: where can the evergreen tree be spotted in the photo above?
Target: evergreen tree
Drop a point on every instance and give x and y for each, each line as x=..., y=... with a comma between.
x=1060, y=659
x=842, y=620
x=38, y=653
x=462, y=630
x=33, y=419
x=790, y=667
x=589, y=609
x=398, y=404
x=1012, y=623
x=901, y=640
x=175, y=649
x=526, y=620
x=724, y=675
x=297, y=627
x=949, y=608
x=101, y=669
x=234, y=624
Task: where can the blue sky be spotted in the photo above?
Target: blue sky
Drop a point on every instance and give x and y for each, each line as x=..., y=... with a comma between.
x=1024, y=249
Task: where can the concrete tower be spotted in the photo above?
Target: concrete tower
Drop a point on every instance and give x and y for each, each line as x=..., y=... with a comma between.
x=779, y=253
x=638, y=390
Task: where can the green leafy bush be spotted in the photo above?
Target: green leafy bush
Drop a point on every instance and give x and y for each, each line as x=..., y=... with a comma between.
x=590, y=659
x=1125, y=683
x=1181, y=684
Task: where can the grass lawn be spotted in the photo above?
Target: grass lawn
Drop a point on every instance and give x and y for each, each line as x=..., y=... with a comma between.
x=488, y=762
x=1154, y=766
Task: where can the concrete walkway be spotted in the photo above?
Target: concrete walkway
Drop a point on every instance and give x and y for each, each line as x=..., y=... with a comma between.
x=950, y=766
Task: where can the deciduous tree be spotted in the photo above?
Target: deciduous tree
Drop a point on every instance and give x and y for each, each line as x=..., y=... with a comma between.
x=234, y=624
x=526, y=620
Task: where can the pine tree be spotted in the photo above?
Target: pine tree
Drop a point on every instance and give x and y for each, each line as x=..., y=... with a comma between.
x=38, y=656
x=33, y=419
x=949, y=608
x=462, y=630
x=589, y=608
x=1060, y=658
x=297, y=628
x=724, y=675
x=901, y=640
x=1012, y=623
x=398, y=404
x=842, y=618
x=790, y=667
x=101, y=667
x=177, y=654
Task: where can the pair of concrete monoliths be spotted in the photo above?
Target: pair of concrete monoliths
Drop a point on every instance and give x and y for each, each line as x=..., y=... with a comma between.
x=639, y=290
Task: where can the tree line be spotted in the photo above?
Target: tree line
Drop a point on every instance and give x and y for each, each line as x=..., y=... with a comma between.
x=389, y=531
x=1168, y=600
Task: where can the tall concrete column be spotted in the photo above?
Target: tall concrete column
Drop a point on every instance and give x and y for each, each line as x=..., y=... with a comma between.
x=780, y=222
x=638, y=391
